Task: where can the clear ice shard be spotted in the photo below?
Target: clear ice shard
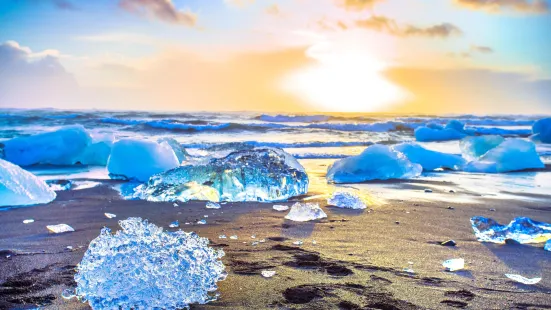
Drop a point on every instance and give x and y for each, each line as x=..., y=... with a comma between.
x=280, y=208
x=260, y=174
x=376, y=162
x=60, y=228
x=520, y=229
x=510, y=155
x=110, y=215
x=523, y=280
x=28, y=221
x=268, y=273
x=347, y=200
x=212, y=205
x=474, y=147
x=19, y=187
x=144, y=267
x=303, y=212
x=454, y=264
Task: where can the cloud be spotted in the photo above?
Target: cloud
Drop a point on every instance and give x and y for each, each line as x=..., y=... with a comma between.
x=482, y=49
x=163, y=10
x=497, y=6
x=390, y=26
x=238, y=3
x=273, y=10
x=357, y=5
x=28, y=78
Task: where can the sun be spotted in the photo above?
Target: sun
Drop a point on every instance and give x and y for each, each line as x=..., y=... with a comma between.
x=344, y=79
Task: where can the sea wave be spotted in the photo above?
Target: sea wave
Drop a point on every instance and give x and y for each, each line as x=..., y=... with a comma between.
x=283, y=145
x=472, y=121
x=293, y=118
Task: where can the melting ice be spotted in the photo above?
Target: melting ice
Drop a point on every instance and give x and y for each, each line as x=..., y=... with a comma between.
x=346, y=200
x=303, y=212
x=521, y=229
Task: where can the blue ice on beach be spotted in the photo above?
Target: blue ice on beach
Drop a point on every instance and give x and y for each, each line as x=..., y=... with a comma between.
x=474, y=147
x=429, y=159
x=510, y=155
x=347, y=200
x=520, y=229
x=178, y=267
x=454, y=130
x=376, y=162
x=19, y=187
x=542, y=130
x=260, y=174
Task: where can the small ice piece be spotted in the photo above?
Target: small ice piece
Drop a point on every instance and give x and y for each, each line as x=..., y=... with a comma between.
x=174, y=224
x=428, y=159
x=70, y=248
x=222, y=237
x=268, y=273
x=510, y=155
x=205, y=215
x=376, y=162
x=521, y=229
x=428, y=190
x=473, y=148
x=213, y=205
x=280, y=208
x=19, y=187
x=175, y=204
x=59, y=185
x=254, y=243
x=28, y=221
x=523, y=280
x=454, y=264
x=262, y=240
x=314, y=242
x=298, y=242
x=347, y=200
x=110, y=215
x=233, y=237
x=409, y=270
x=143, y=266
x=303, y=212
x=60, y=228
x=542, y=130
x=68, y=294
x=253, y=237
x=201, y=222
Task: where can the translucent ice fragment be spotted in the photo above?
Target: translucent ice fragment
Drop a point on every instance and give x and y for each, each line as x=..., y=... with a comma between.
x=298, y=242
x=213, y=205
x=144, y=267
x=547, y=246
x=60, y=228
x=175, y=205
x=234, y=237
x=521, y=229
x=510, y=155
x=110, y=215
x=222, y=237
x=347, y=200
x=28, y=221
x=201, y=222
x=280, y=208
x=303, y=212
x=474, y=147
x=409, y=270
x=454, y=264
x=268, y=273
x=68, y=294
x=174, y=224
x=523, y=280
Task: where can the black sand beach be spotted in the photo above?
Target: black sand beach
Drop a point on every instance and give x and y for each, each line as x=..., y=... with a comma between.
x=356, y=263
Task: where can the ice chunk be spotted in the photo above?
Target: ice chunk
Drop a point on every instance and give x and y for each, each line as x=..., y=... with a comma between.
x=280, y=208
x=347, y=200
x=426, y=134
x=523, y=280
x=140, y=159
x=510, y=155
x=201, y=222
x=428, y=159
x=542, y=130
x=521, y=229
x=110, y=215
x=454, y=264
x=213, y=205
x=303, y=212
x=178, y=149
x=474, y=147
x=234, y=237
x=60, y=228
x=268, y=273
x=298, y=242
x=144, y=267
x=547, y=246
x=376, y=162
x=262, y=174
x=59, y=185
x=97, y=153
x=174, y=224
x=19, y=187
x=60, y=147
x=222, y=237
x=28, y=221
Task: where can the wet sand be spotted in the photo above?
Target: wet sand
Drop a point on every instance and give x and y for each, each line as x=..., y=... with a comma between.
x=357, y=263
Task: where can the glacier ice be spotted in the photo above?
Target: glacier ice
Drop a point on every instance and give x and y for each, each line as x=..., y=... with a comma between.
x=260, y=174
x=178, y=149
x=136, y=159
x=454, y=264
x=474, y=147
x=60, y=147
x=144, y=267
x=60, y=228
x=542, y=130
x=523, y=280
x=376, y=162
x=303, y=212
x=520, y=229
x=428, y=159
x=426, y=134
x=347, y=200
x=98, y=151
x=510, y=155
x=19, y=187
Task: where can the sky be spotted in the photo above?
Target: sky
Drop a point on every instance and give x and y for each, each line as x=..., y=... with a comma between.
x=290, y=56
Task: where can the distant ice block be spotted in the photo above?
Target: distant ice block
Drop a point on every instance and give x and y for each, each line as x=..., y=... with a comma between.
x=60, y=228
x=19, y=187
x=144, y=267
x=542, y=130
x=376, y=162
x=428, y=159
x=303, y=212
x=521, y=229
x=454, y=264
x=547, y=246
x=60, y=147
x=98, y=151
x=510, y=155
x=261, y=174
x=178, y=149
x=523, y=280
x=475, y=147
x=426, y=134
x=136, y=159
x=212, y=205
x=346, y=200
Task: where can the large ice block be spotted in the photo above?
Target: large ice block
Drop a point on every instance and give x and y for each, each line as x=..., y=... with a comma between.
x=98, y=151
x=144, y=267
x=135, y=159
x=19, y=187
x=261, y=174
x=542, y=130
x=428, y=159
x=474, y=147
x=521, y=229
x=376, y=162
x=510, y=155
